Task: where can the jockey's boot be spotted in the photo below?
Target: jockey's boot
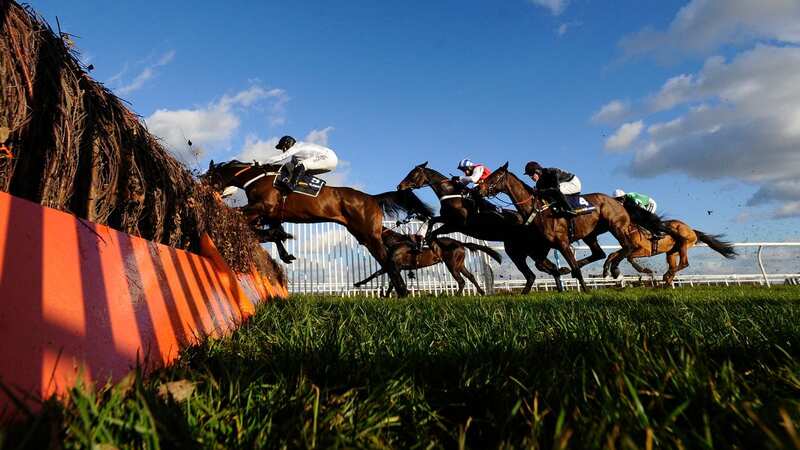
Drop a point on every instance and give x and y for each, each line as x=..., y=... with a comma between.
x=299, y=171
x=563, y=203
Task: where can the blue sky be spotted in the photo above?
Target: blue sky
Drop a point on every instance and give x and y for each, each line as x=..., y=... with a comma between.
x=391, y=84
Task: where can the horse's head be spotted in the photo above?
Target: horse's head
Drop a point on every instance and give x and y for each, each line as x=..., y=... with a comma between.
x=495, y=183
x=219, y=176
x=415, y=179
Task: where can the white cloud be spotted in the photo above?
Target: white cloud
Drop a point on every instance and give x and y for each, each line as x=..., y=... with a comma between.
x=213, y=124
x=611, y=112
x=555, y=6
x=625, y=135
x=737, y=119
x=145, y=75
x=319, y=137
x=258, y=150
x=703, y=25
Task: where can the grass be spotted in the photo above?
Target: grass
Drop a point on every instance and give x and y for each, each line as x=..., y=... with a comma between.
x=684, y=368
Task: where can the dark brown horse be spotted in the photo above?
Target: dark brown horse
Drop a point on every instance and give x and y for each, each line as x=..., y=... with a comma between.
x=362, y=214
x=609, y=216
x=675, y=245
x=407, y=255
x=461, y=212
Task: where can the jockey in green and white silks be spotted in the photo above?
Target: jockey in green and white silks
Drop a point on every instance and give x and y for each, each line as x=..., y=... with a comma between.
x=641, y=200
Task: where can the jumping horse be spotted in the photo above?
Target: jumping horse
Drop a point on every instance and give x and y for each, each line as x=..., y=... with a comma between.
x=361, y=213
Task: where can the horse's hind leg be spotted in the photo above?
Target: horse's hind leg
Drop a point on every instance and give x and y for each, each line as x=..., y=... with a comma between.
x=594, y=246
x=566, y=251
x=454, y=271
x=377, y=273
x=639, y=268
x=520, y=261
x=672, y=263
x=378, y=251
x=472, y=280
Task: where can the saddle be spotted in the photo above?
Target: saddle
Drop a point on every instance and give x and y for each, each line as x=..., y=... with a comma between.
x=306, y=184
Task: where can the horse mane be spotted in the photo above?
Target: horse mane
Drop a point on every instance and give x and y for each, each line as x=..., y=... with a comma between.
x=433, y=172
x=530, y=190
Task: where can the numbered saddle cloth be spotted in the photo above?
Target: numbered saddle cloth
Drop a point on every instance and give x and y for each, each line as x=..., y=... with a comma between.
x=580, y=204
x=306, y=184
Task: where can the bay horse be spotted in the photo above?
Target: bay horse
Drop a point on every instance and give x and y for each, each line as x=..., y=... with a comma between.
x=463, y=213
x=609, y=216
x=361, y=213
x=407, y=255
x=676, y=249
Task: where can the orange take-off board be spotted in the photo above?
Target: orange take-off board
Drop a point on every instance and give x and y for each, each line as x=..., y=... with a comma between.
x=78, y=299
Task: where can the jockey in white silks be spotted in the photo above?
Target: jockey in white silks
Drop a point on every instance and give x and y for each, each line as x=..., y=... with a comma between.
x=301, y=158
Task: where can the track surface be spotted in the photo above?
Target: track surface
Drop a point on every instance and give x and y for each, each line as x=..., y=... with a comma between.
x=705, y=367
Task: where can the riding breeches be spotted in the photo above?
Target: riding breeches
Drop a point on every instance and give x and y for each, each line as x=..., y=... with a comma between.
x=570, y=187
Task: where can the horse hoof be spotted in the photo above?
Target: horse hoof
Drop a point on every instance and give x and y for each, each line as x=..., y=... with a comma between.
x=288, y=259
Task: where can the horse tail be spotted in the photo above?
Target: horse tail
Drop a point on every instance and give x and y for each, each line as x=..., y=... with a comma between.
x=715, y=242
x=395, y=202
x=489, y=251
x=651, y=222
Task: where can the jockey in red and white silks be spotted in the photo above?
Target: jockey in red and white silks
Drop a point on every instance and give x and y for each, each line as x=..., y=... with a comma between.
x=473, y=173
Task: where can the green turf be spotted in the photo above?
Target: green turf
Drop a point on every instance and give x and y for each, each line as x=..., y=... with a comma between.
x=693, y=368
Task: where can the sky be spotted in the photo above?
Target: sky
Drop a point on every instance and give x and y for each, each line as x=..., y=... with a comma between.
x=696, y=103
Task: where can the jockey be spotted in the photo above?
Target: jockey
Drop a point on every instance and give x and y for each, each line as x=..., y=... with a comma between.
x=556, y=182
x=473, y=173
x=641, y=200
x=300, y=158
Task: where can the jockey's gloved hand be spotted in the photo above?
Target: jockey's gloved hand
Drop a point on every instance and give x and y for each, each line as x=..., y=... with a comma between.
x=455, y=179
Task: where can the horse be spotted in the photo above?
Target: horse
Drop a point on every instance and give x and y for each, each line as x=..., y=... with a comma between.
x=361, y=213
x=407, y=256
x=675, y=249
x=608, y=216
x=468, y=214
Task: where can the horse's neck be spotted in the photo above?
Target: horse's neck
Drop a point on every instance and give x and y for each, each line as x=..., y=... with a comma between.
x=521, y=196
x=436, y=181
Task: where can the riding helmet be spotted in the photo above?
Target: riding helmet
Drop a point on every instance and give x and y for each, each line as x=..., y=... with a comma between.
x=285, y=143
x=465, y=163
x=619, y=193
x=533, y=167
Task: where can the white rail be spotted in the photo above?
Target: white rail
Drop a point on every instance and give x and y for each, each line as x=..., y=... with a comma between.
x=330, y=260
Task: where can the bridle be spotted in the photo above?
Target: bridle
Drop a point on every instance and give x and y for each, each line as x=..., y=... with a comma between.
x=492, y=192
x=234, y=180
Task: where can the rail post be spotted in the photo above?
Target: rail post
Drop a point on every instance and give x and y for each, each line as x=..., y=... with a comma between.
x=761, y=265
